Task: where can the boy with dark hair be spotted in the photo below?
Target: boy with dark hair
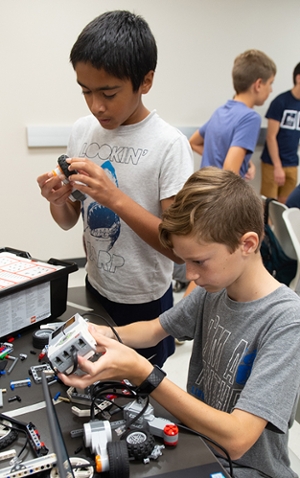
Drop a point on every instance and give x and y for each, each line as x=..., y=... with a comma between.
x=131, y=164
x=279, y=166
x=243, y=381
x=121, y=43
x=229, y=138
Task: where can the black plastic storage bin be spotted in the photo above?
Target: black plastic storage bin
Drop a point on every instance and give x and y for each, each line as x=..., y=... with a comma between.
x=58, y=280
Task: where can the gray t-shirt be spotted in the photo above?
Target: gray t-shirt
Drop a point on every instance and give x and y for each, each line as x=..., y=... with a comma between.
x=245, y=356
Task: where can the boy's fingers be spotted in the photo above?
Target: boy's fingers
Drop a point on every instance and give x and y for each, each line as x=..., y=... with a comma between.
x=74, y=380
x=85, y=365
x=100, y=338
x=79, y=163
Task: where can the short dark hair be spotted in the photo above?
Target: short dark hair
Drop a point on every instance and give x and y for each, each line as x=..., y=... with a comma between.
x=296, y=72
x=121, y=43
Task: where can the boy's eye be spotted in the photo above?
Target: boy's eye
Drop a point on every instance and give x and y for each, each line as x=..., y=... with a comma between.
x=109, y=96
x=85, y=92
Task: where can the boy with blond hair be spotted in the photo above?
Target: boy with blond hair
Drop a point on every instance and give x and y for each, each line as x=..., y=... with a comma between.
x=228, y=139
x=243, y=381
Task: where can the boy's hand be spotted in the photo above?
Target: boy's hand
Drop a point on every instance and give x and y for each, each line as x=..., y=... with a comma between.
x=103, y=330
x=53, y=190
x=279, y=175
x=96, y=183
x=117, y=363
x=251, y=172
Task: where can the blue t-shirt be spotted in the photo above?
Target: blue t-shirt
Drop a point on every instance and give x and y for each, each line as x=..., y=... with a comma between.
x=285, y=108
x=233, y=124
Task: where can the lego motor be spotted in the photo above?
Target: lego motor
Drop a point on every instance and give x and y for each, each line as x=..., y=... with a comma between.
x=62, y=169
x=110, y=455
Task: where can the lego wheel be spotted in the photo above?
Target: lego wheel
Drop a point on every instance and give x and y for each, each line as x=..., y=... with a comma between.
x=118, y=459
x=82, y=468
x=140, y=443
x=7, y=434
x=40, y=338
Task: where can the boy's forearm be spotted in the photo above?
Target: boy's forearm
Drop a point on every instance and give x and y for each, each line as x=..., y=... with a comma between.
x=234, y=159
x=273, y=151
x=236, y=431
x=197, y=143
x=271, y=140
x=197, y=148
x=66, y=216
x=141, y=334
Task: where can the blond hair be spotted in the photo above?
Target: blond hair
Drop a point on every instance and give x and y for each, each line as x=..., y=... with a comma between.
x=249, y=67
x=214, y=205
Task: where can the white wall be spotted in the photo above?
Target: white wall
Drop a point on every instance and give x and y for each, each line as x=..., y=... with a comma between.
x=197, y=43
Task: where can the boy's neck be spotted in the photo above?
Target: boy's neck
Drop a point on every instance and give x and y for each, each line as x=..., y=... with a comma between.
x=255, y=283
x=246, y=98
x=296, y=91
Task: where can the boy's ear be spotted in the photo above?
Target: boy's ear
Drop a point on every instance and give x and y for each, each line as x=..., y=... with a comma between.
x=249, y=242
x=257, y=84
x=147, y=82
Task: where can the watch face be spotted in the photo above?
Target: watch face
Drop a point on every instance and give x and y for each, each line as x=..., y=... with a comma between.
x=136, y=437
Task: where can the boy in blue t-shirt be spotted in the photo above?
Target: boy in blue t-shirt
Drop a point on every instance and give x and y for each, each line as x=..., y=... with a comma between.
x=229, y=137
x=279, y=157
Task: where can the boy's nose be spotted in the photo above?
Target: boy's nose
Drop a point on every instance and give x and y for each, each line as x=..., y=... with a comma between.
x=191, y=272
x=97, y=106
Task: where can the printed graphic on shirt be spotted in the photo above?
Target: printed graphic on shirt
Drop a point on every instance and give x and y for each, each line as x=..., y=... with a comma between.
x=104, y=226
x=290, y=119
x=117, y=154
x=223, y=377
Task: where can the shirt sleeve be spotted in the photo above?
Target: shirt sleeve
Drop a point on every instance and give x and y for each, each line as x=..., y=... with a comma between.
x=275, y=110
x=176, y=168
x=184, y=318
x=246, y=133
x=202, y=129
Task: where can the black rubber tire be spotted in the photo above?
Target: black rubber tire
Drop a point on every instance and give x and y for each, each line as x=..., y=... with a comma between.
x=7, y=436
x=140, y=443
x=118, y=459
x=40, y=338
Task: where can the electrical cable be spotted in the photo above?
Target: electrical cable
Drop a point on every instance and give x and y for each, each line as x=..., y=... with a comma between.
x=74, y=359
x=97, y=406
x=100, y=391
x=107, y=323
x=135, y=419
x=213, y=442
x=19, y=430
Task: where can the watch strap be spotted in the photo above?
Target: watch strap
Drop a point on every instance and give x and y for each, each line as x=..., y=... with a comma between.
x=152, y=381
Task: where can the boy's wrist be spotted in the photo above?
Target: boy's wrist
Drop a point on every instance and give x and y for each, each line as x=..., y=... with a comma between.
x=152, y=380
x=140, y=370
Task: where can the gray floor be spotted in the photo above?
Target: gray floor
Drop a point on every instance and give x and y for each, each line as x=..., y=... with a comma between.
x=177, y=365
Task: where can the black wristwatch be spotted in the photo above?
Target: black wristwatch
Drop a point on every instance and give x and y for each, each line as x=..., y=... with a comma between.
x=152, y=381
